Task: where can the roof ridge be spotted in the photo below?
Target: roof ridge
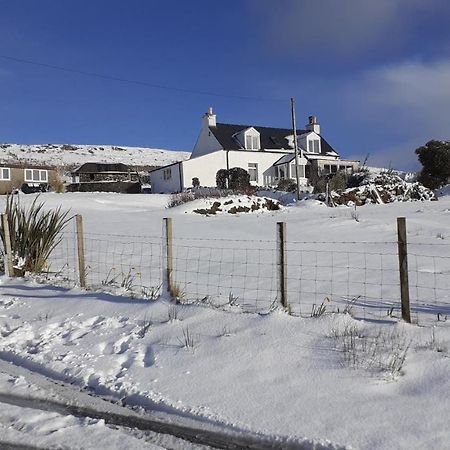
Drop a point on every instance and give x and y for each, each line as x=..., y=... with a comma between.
x=256, y=126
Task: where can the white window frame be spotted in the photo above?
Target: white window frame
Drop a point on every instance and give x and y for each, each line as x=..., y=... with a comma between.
x=253, y=172
x=36, y=176
x=252, y=140
x=8, y=177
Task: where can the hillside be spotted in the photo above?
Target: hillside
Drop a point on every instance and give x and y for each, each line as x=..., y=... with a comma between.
x=71, y=156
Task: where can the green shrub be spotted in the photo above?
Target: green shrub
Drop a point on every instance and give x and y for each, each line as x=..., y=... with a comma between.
x=239, y=178
x=435, y=159
x=337, y=182
x=222, y=179
x=287, y=185
x=34, y=234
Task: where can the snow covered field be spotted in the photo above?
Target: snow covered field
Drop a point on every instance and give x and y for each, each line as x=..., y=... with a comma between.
x=333, y=379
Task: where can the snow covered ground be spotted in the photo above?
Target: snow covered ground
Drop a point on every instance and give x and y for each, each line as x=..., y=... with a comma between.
x=332, y=380
x=76, y=155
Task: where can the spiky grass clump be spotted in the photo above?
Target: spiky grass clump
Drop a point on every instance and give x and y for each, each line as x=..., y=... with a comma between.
x=34, y=234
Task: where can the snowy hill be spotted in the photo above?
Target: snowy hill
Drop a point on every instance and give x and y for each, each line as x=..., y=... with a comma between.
x=71, y=156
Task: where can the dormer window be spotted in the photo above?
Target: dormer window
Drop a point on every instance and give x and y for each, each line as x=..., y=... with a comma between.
x=314, y=146
x=248, y=139
x=252, y=142
x=251, y=139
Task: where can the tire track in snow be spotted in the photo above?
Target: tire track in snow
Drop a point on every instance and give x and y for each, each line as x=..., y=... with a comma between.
x=68, y=400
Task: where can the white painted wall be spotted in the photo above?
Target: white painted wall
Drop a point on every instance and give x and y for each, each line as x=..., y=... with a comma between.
x=162, y=186
x=204, y=168
x=206, y=142
x=264, y=160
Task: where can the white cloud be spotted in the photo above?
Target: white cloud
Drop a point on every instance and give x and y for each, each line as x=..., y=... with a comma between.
x=412, y=95
x=401, y=106
x=344, y=27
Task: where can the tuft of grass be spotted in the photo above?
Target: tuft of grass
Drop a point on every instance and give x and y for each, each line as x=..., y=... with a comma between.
x=232, y=299
x=144, y=327
x=151, y=292
x=224, y=332
x=435, y=344
x=187, y=339
x=441, y=317
x=177, y=292
x=318, y=311
x=348, y=309
x=381, y=349
x=172, y=313
x=41, y=317
x=35, y=233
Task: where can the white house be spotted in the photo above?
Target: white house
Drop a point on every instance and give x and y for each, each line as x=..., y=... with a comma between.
x=267, y=154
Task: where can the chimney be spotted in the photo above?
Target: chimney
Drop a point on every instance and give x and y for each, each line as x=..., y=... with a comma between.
x=313, y=125
x=209, y=119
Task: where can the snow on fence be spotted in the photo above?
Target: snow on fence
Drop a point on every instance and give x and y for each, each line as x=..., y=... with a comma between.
x=307, y=278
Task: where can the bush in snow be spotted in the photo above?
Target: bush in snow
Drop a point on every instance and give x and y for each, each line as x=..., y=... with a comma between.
x=335, y=183
x=236, y=178
x=181, y=198
x=435, y=159
x=34, y=234
x=222, y=179
x=287, y=185
x=239, y=178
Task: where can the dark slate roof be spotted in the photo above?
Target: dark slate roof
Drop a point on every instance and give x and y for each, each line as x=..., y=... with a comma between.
x=271, y=138
x=101, y=167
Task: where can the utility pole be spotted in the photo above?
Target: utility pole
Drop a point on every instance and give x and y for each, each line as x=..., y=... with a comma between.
x=294, y=130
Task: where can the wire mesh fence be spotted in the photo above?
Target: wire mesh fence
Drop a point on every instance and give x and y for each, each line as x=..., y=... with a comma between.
x=343, y=275
x=220, y=272
x=115, y=263
x=361, y=277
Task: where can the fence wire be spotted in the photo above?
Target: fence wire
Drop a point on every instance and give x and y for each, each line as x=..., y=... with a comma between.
x=359, y=277
x=239, y=273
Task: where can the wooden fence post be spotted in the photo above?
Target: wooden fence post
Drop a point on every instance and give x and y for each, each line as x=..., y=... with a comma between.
x=9, y=268
x=282, y=263
x=168, y=256
x=80, y=245
x=403, y=267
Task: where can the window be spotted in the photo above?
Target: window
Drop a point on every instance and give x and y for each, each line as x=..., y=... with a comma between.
x=251, y=142
x=314, y=146
x=167, y=174
x=36, y=176
x=5, y=174
x=253, y=171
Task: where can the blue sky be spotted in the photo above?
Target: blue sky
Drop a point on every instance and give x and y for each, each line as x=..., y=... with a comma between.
x=377, y=74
